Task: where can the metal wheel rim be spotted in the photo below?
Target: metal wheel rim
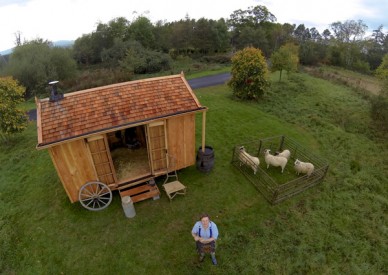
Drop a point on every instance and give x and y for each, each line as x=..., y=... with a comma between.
x=95, y=196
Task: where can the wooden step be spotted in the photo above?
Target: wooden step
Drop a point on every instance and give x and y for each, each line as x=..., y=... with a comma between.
x=126, y=184
x=141, y=192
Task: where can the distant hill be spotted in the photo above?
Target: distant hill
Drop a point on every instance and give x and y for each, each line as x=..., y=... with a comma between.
x=63, y=43
x=6, y=52
x=59, y=43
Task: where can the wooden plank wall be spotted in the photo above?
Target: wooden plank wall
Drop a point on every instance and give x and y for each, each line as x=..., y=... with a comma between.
x=181, y=140
x=73, y=165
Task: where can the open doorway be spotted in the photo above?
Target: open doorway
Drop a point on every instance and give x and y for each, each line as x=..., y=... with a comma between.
x=129, y=153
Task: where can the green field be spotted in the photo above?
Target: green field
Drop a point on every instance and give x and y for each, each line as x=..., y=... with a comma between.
x=337, y=227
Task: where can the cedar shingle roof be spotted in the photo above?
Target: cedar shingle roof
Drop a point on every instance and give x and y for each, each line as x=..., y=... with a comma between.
x=99, y=109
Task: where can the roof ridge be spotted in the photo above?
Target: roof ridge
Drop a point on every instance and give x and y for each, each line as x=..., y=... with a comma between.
x=120, y=84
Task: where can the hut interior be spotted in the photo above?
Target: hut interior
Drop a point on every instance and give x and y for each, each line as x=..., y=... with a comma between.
x=129, y=153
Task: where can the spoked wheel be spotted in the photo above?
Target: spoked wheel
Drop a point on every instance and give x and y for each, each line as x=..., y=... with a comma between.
x=95, y=196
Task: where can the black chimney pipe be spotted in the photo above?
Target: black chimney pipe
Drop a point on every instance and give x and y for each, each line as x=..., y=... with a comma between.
x=55, y=96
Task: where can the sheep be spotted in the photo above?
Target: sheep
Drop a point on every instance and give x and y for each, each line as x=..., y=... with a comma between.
x=303, y=167
x=285, y=153
x=274, y=160
x=246, y=158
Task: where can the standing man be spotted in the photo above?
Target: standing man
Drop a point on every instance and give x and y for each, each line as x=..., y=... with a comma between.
x=205, y=233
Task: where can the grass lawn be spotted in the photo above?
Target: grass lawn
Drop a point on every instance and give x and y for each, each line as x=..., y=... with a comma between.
x=339, y=226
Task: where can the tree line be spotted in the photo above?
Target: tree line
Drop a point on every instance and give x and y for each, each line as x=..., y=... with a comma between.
x=140, y=46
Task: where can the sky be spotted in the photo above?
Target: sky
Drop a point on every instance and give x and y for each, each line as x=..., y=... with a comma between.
x=70, y=19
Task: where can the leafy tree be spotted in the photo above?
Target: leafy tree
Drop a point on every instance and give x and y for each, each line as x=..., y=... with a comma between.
x=249, y=36
x=162, y=33
x=83, y=50
x=141, y=30
x=112, y=56
x=222, y=36
x=302, y=33
x=281, y=34
x=250, y=76
x=375, y=47
x=140, y=60
x=349, y=31
x=286, y=58
x=252, y=27
x=210, y=36
x=12, y=120
x=37, y=62
x=118, y=28
x=181, y=34
x=253, y=17
x=326, y=34
x=382, y=70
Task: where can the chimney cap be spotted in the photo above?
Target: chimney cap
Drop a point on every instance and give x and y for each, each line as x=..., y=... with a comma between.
x=53, y=82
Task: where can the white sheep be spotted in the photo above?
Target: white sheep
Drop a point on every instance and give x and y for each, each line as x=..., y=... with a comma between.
x=303, y=167
x=274, y=160
x=285, y=153
x=246, y=158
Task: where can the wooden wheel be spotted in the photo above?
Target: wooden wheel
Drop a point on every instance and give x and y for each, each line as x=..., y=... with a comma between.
x=95, y=196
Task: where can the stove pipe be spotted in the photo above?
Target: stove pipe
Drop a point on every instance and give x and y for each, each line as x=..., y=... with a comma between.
x=55, y=96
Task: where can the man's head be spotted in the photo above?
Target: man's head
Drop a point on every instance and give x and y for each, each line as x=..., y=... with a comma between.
x=205, y=219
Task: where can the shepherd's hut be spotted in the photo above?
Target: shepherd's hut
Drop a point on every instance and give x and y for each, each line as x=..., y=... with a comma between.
x=120, y=136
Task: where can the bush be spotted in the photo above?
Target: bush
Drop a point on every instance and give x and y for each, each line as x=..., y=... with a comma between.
x=250, y=77
x=12, y=119
x=221, y=59
x=379, y=111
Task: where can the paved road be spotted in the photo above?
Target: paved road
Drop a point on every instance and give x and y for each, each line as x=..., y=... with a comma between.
x=194, y=83
x=207, y=81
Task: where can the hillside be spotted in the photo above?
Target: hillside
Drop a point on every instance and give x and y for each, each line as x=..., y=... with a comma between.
x=337, y=227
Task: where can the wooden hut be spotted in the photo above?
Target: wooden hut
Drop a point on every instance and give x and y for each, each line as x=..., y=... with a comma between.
x=120, y=135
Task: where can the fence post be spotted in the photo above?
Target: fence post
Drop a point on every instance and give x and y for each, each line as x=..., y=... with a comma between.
x=258, y=152
x=281, y=144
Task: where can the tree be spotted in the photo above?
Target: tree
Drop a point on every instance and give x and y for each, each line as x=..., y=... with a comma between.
x=112, y=56
x=349, y=31
x=252, y=27
x=382, y=70
x=286, y=58
x=141, y=30
x=140, y=60
x=250, y=76
x=12, y=120
x=181, y=34
x=37, y=62
x=253, y=17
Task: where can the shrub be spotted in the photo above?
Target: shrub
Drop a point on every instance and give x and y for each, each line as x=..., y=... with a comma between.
x=221, y=58
x=12, y=120
x=379, y=111
x=250, y=77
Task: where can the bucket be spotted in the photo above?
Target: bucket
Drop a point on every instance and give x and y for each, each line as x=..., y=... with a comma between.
x=205, y=160
x=128, y=207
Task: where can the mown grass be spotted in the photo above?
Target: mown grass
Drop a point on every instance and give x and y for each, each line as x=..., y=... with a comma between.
x=336, y=227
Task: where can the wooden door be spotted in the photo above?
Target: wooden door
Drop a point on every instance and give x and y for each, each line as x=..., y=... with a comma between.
x=99, y=150
x=157, y=147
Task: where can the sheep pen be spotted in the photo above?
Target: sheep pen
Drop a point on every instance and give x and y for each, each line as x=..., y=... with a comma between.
x=271, y=183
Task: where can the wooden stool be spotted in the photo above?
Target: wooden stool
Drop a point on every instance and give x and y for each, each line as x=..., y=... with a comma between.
x=174, y=188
